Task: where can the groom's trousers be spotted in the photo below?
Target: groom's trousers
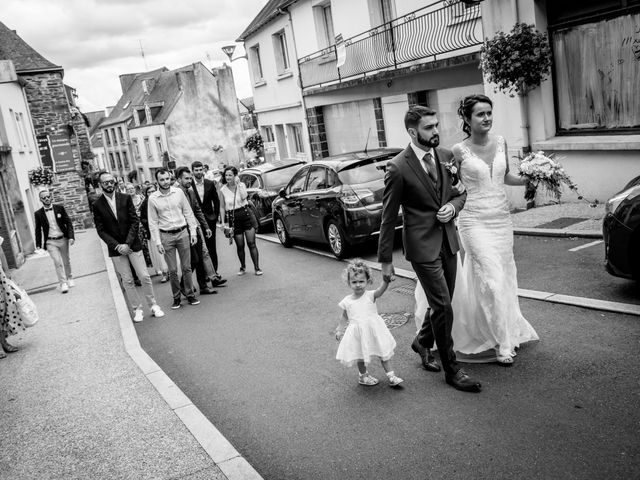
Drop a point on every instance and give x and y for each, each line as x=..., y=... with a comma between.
x=438, y=280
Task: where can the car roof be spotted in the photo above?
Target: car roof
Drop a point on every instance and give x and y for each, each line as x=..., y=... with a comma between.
x=344, y=160
x=271, y=166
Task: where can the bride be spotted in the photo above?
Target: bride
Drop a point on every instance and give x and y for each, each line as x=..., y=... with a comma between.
x=488, y=324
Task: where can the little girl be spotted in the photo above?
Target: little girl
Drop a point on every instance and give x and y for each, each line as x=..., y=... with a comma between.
x=362, y=332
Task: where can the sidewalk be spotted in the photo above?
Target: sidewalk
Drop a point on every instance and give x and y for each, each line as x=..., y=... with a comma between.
x=565, y=219
x=78, y=399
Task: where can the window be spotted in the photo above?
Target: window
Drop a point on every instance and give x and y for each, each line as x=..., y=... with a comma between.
x=256, y=64
x=296, y=134
x=125, y=159
x=114, y=140
x=297, y=182
x=120, y=135
x=112, y=161
x=18, y=119
x=267, y=133
x=597, y=73
x=147, y=149
x=107, y=139
x=250, y=180
x=119, y=160
x=324, y=25
x=147, y=114
x=281, y=52
x=159, y=145
x=317, y=178
x=381, y=12
x=136, y=149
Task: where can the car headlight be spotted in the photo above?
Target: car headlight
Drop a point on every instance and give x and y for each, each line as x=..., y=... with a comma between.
x=614, y=202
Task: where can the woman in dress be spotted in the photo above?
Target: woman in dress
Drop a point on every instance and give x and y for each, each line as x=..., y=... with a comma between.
x=236, y=215
x=10, y=320
x=485, y=303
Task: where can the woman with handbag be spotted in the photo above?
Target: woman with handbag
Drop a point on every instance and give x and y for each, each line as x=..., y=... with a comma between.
x=10, y=318
x=238, y=219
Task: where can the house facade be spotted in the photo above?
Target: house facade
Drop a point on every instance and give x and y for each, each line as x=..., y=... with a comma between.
x=18, y=155
x=179, y=116
x=362, y=63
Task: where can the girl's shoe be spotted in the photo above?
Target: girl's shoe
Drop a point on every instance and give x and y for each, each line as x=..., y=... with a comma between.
x=394, y=380
x=366, y=379
x=242, y=271
x=258, y=272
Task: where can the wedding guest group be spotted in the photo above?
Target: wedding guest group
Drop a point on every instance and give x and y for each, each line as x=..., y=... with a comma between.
x=54, y=232
x=118, y=225
x=173, y=229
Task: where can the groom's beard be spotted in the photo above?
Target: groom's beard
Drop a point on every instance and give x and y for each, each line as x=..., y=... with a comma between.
x=433, y=142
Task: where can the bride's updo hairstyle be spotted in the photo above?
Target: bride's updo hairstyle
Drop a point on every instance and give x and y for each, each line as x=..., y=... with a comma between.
x=356, y=267
x=466, y=108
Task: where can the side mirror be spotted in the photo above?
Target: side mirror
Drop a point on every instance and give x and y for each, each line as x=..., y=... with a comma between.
x=282, y=193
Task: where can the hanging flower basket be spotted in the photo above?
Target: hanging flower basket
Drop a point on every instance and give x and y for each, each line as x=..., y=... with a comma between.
x=41, y=176
x=518, y=61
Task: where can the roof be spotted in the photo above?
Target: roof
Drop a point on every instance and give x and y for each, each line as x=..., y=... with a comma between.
x=95, y=119
x=271, y=10
x=25, y=58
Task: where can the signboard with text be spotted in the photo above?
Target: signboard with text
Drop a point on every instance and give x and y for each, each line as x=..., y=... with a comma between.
x=45, y=151
x=62, y=153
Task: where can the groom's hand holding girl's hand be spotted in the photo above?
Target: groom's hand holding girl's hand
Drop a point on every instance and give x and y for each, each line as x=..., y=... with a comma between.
x=446, y=213
x=388, y=274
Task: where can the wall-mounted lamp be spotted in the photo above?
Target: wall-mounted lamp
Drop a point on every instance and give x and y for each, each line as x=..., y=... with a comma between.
x=229, y=49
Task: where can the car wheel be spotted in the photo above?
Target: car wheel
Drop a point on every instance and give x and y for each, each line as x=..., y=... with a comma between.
x=337, y=241
x=281, y=231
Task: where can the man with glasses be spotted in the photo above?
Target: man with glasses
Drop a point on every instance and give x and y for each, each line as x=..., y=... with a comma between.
x=118, y=225
x=173, y=228
x=54, y=233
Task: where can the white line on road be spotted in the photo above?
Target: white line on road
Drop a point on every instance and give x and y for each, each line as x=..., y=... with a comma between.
x=586, y=245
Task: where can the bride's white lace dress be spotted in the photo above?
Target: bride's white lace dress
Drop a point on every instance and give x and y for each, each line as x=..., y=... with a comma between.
x=487, y=314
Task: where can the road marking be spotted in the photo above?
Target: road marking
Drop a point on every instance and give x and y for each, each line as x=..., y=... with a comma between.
x=586, y=245
x=583, y=302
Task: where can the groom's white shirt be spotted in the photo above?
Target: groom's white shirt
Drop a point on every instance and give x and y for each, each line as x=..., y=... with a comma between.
x=420, y=153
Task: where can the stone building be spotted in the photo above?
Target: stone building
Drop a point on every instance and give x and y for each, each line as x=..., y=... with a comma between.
x=59, y=126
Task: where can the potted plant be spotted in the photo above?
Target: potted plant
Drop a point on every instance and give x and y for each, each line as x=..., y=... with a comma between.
x=40, y=176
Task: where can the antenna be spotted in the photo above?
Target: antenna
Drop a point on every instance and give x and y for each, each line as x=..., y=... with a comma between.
x=366, y=144
x=209, y=60
x=143, y=57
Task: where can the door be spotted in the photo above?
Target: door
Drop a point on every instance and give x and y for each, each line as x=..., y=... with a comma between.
x=313, y=208
x=292, y=204
x=393, y=110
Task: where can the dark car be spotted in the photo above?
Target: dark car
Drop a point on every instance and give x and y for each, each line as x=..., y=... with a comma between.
x=263, y=183
x=335, y=200
x=621, y=230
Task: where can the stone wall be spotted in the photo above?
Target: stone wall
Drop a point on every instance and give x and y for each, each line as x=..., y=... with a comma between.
x=50, y=112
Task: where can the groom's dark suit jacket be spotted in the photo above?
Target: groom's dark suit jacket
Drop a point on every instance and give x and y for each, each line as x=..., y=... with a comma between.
x=42, y=224
x=114, y=231
x=210, y=203
x=407, y=184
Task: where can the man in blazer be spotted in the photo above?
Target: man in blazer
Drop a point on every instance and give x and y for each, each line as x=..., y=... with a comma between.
x=420, y=180
x=54, y=233
x=117, y=225
x=207, y=195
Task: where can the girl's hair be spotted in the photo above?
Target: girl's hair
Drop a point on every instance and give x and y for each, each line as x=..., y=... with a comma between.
x=466, y=108
x=223, y=179
x=356, y=266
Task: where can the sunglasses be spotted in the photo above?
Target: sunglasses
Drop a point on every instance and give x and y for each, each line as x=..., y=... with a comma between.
x=109, y=182
x=45, y=197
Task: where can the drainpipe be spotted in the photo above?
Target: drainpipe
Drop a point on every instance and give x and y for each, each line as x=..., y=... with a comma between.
x=524, y=102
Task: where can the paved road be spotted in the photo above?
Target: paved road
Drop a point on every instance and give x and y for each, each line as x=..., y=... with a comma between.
x=546, y=264
x=258, y=361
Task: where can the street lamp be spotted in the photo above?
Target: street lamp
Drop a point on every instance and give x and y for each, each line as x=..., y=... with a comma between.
x=229, y=49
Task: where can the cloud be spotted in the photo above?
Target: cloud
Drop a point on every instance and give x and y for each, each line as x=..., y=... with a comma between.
x=95, y=41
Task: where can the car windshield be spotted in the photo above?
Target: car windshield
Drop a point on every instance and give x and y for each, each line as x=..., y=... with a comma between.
x=364, y=172
x=279, y=178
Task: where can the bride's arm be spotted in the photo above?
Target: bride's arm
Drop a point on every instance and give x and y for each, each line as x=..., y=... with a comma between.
x=511, y=178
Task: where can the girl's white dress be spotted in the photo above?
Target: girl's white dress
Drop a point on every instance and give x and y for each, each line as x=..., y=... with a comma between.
x=366, y=335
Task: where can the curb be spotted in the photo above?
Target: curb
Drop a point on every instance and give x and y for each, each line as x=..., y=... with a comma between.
x=233, y=465
x=583, y=302
x=551, y=232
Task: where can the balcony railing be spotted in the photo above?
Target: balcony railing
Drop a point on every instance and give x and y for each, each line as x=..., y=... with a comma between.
x=430, y=32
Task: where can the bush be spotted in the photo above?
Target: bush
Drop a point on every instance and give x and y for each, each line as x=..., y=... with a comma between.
x=254, y=143
x=40, y=176
x=517, y=62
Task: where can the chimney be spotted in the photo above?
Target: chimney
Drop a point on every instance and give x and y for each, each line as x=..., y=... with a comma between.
x=179, y=80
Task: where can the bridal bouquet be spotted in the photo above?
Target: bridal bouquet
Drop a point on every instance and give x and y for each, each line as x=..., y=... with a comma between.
x=543, y=170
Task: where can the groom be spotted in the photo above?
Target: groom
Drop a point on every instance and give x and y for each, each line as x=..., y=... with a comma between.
x=419, y=180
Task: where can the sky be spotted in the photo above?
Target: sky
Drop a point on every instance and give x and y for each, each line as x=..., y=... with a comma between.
x=96, y=41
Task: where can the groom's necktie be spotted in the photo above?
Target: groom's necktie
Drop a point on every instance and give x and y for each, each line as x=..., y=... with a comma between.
x=431, y=166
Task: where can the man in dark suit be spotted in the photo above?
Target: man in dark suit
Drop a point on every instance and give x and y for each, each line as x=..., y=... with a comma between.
x=54, y=233
x=117, y=225
x=418, y=180
x=206, y=192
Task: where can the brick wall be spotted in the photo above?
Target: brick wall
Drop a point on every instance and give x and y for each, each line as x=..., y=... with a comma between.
x=51, y=115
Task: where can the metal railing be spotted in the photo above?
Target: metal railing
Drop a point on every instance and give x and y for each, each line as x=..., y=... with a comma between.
x=432, y=31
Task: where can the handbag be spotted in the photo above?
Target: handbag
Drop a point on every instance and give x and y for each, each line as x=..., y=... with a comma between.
x=228, y=231
x=26, y=307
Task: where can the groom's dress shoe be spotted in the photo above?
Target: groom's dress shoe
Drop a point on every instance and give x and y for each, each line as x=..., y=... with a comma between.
x=428, y=361
x=464, y=382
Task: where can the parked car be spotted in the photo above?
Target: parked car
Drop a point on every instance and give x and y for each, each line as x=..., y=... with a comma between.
x=621, y=231
x=263, y=183
x=335, y=200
